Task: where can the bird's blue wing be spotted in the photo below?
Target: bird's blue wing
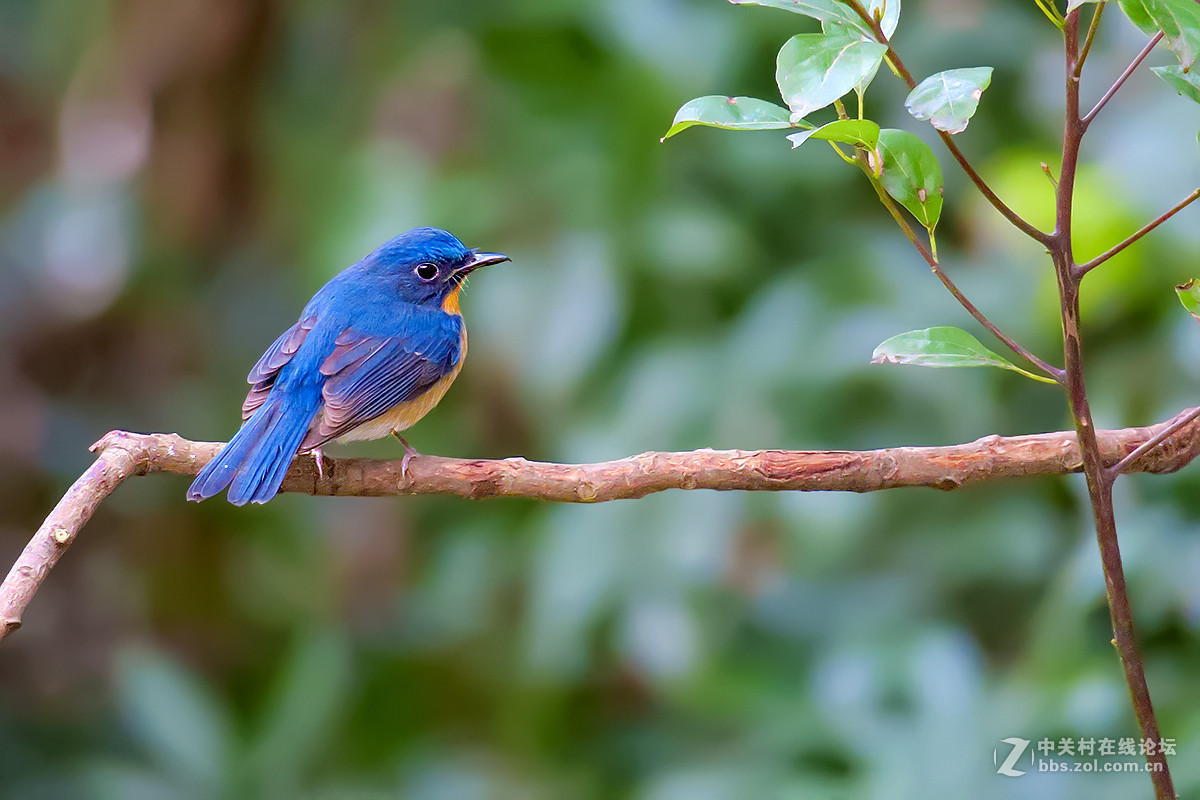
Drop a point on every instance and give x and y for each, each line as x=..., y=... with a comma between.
x=366, y=376
x=262, y=376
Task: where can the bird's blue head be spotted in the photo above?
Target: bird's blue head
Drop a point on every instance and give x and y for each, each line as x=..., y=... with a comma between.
x=429, y=265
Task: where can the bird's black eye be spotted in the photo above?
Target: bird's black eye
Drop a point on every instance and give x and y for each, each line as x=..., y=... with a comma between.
x=427, y=271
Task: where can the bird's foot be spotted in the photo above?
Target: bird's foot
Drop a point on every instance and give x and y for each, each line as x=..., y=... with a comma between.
x=319, y=460
x=409, y=452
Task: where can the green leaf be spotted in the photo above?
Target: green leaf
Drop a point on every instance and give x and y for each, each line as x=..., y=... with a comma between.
x=859, y=132
x=825, y=10
x=1189, y=295
x=943, y=346
x=949, y=99
x=1180, y=23
x=1139, y=14
x=1074, y=4
x=814, y=69
x=1180, y=79
x=730, y=113
x=1179, y=20
x=910, y=173
x=888, y=12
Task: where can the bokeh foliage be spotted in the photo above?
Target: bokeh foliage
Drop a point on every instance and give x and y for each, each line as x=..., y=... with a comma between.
x=179, y=177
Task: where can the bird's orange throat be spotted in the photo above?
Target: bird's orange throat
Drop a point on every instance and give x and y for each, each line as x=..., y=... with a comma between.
x=450, y=304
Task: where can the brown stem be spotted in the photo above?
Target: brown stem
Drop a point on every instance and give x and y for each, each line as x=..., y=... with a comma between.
x=888, y=203
x=1120, y=81
x=1013, y=217
x=121, y=455
x=1099, y=479
x=1083, y=269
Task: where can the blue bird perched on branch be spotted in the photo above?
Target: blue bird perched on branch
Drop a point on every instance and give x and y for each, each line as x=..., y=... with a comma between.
x=374, y=351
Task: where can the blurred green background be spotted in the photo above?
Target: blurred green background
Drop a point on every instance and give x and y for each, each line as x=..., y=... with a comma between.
x=177, y=178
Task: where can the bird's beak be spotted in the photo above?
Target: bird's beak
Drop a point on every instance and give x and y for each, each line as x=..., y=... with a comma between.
x=478, y=260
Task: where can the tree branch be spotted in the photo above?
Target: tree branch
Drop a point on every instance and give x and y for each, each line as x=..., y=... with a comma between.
x=1165, y=432
x=1013, y=217
x=934, y=265
x=121, y=455
x=1083, y=269
x=1099, y=478
x=1120, y=81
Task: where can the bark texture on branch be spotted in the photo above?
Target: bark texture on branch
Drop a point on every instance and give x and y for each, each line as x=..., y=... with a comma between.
x=121, y=455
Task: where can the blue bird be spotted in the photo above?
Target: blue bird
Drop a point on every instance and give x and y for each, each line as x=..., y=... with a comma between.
x=374, y=351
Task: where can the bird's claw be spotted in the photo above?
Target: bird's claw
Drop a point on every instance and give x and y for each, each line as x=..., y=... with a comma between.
x=319, y=459
x=409, y=452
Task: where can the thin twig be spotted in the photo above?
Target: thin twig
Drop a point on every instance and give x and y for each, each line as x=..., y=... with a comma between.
x=1083, y=269
x=1164, y=433
x=1091, y=37
x=121, y=455
x=1052, y=13
x=898, y=67
x=888, y=203
x=1087, y=118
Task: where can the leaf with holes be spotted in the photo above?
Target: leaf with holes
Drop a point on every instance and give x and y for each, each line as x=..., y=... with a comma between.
x=949, y=99
x=1189, y=295
x=814, y=69
x=909, y=172
x=858, y=132
x=943, y=346
x=730, y=113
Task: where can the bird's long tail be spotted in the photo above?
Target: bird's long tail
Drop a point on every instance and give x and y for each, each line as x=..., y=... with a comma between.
x=254, y=462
